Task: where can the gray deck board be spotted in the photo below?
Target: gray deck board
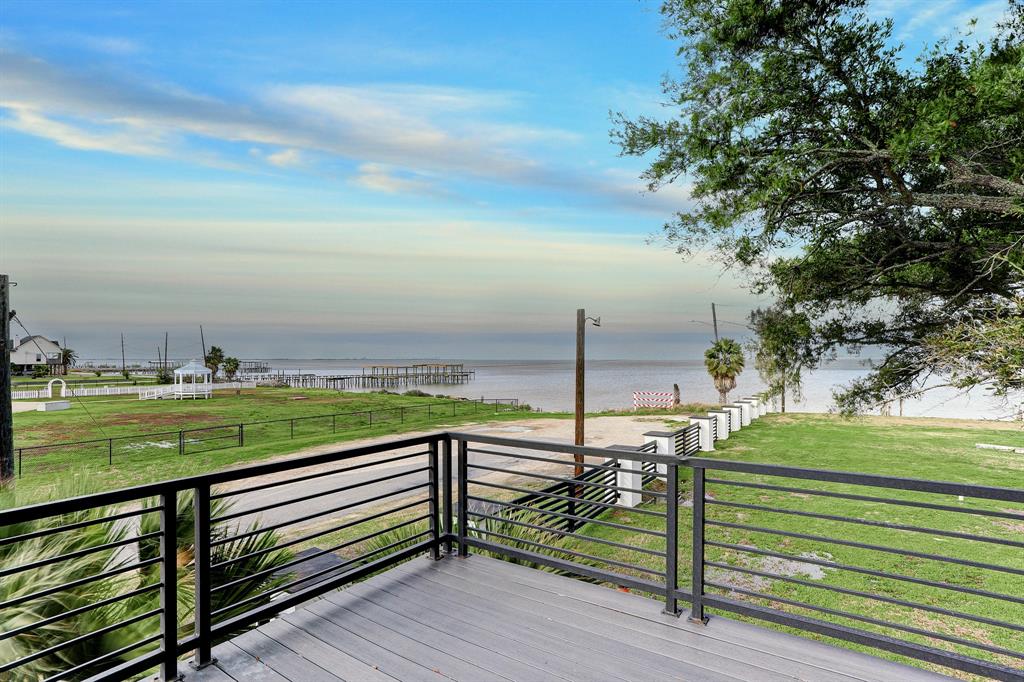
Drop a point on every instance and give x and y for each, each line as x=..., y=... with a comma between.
x=479, y=619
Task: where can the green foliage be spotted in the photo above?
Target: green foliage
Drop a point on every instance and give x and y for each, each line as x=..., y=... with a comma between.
x=214, y=358
x=67, y=358
x=724, y=362
x=164, y=376
x=231, y=367
x=106, y=560
x=40, y=371
x=780, y=350
x=884, y=201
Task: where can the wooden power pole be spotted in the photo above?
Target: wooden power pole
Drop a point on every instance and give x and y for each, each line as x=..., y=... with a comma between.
x=124, y=371
x=714, y=320
x=581, y=323
x=6, y=417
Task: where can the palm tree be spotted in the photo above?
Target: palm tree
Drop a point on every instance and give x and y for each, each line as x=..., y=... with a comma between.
x=724, y=362
x=231, y=367
x=214, y=357
x=68, y=358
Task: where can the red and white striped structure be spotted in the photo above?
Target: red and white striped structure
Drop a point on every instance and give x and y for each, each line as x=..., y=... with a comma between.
x=651, y=399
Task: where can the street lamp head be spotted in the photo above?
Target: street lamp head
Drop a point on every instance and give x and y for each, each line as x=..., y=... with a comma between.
x=595, y=320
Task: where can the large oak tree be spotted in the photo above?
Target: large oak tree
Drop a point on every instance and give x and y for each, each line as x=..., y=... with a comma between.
x=879, y=196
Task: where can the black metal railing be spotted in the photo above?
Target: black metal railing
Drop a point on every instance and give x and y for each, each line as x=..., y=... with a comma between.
x=917, y=608
x=54, y=456
x=191, y=562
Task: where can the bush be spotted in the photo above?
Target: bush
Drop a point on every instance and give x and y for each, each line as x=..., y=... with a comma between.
x=416, y=393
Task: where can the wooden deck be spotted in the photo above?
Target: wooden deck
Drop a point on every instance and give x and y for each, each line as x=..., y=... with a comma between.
x=482, y=619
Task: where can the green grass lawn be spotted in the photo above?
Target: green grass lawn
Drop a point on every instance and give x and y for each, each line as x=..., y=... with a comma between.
x=133, y=459
x=932, y=449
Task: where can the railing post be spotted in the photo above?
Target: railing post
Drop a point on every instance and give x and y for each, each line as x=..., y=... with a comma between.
x=169, y=584
x=671, y=538
x=463, y=498
x=203, y=614
x=446, y=455
x=697, y=604
x=435, y=529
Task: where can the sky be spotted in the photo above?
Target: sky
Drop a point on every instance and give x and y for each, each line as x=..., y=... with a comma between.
x=337, y=180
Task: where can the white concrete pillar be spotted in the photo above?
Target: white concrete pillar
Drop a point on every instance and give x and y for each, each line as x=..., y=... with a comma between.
x=666, y=441
x=722, y=416
x=629, y=475
x=734, y=417
x=755, y=411
x=706, y=443
x=744, y=413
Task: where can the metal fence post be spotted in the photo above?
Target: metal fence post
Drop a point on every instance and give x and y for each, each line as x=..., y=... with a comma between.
x=181, y=442
x=169, y=584
x=435, y=528
x=21, y=452
x=241, y=435
x=446, y=458
x=203, y=613
x=671, y=538
x=697, y=608
x=292, y=427
x=110, y=452
x=334, y=423
x=463, y=498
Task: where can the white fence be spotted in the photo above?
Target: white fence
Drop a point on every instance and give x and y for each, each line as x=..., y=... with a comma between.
x=118, y=390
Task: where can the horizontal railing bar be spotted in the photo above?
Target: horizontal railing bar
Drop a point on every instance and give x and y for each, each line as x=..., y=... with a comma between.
x=564, y=533
x=55, y=508
x=567, y=498
x=77, y=524
x=319, y=474
x=318, y=553
x=311, y=576
x=76, y=554
x=81, y=609
x=123, y=671
x=586, y=451
x=860, y=636
x=290, y=522
x=77, y=640
x=868, y=595
x=551, y=460
x=76, y=583
x=865, y=498
x=569, y=566
x=232, y=624
x=320, y=493
x=574, y=517
x=865, y=522
x=570, y=481
x=868, y=571
x=864, y=545
x=870, y=480
x=582, y=555
x=319, y=533
x=867, y=619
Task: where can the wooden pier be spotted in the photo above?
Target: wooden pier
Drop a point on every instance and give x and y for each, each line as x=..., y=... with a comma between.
x=377, y=376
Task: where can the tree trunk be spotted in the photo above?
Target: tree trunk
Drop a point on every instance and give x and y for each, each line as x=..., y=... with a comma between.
x=723, y=396
x=783, y=397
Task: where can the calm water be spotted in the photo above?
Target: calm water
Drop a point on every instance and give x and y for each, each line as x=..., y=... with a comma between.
x=610, y=384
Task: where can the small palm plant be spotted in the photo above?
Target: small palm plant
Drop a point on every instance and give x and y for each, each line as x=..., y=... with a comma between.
x=35, y=614
x=67, y=358
x=724, y=362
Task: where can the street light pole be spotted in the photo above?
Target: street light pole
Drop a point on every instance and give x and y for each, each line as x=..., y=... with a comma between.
x=581, y=325
x=6, y=425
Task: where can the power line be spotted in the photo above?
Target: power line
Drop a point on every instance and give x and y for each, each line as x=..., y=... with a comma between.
x=39, y=348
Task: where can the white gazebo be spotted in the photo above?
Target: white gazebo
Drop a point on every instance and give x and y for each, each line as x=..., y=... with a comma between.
x=193, y=381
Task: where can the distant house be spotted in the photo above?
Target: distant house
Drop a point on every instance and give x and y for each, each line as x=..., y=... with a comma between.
x=33, y=351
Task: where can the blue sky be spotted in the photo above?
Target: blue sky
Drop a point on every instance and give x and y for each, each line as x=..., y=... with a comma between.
x=350, y=179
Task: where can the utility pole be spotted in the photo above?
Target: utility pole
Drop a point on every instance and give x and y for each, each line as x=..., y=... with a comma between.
x=6, y=418
x=165, y=350
x=124, y=371
x=714, y=320
x=202, y=339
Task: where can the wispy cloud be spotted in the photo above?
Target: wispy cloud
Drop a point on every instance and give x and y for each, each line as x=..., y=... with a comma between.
x=414, y=131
